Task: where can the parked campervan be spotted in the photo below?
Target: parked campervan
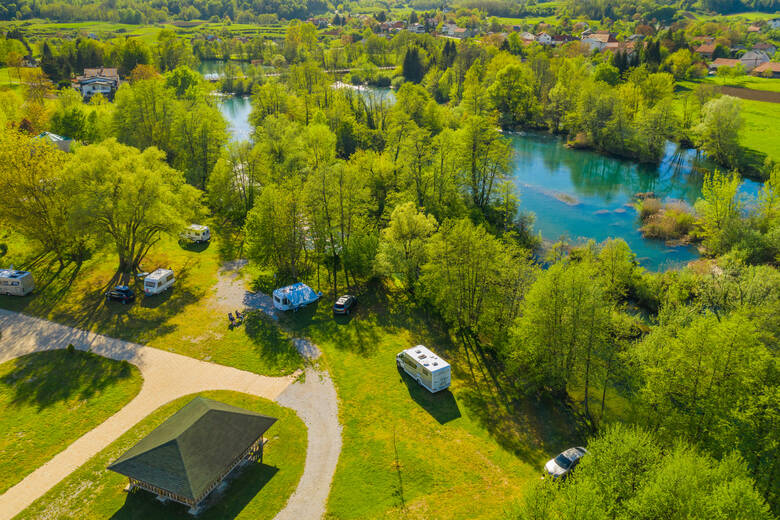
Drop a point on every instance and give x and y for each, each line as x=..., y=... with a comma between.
x=197, y=233
x=425, y=367
x=16, y=283
x=158, y=281
x=295, y=296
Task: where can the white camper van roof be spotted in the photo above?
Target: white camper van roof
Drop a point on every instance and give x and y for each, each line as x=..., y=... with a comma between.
x=197, y=227
x=428, y=359
x=12, y=273
x=157, y=274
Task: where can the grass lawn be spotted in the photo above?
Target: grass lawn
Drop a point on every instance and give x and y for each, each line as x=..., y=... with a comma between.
x=258, y=493
x=747, y=16
x=761, y=122
x=188, y=320
x=745, y=81
x=410, y=454
x=50, y=399
x=9, y=78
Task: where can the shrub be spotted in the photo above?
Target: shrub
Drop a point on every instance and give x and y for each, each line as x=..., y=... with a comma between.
x=674, y=221
x=70, y=348
x=648, y=207
x=382, y=80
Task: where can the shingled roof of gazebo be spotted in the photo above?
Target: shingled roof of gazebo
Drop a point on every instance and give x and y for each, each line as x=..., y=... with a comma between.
x=194, y=448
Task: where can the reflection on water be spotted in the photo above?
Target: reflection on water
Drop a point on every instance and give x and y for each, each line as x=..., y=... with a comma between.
x=236, y=110
x=215, y=69
x=582, y=195
x=575, y=194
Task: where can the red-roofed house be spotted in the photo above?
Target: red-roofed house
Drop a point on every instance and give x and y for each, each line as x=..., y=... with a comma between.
x=722, y=62
x=706, y=50
x=767, y=68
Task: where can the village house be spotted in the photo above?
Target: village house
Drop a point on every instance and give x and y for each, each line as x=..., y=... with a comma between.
x=560, y=39
x=768, y=48
x=448, y=29
x=769, y=68
x=721, y=62
x=705, y=50
x=752, y=59
x=527, y=37
x=774, y=23
x=97, y=81
x=461, y=32
x=599, y=40
x=319, y=22
x=544, y=38
x=417, y=28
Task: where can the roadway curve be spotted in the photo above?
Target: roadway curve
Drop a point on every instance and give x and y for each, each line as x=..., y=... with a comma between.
x=168, y=376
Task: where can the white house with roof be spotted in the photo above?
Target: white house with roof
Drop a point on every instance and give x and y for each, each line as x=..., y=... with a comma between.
x=544, y=39
x=448, y=29
x=101, y=80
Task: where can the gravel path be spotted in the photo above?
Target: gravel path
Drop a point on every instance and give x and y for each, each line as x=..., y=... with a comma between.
x=231, y=294
x=168, y=376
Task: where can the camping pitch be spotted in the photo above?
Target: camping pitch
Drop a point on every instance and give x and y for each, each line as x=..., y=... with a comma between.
x=294, y=296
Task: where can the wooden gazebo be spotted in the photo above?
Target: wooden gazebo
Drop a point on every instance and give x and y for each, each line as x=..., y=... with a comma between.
x=190, y=454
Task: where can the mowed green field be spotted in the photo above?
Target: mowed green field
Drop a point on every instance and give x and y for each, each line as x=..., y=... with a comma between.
x=50, y=399
x=761, y=119
x=761, y=126
x=745, y=81
x=191, y=319
x=410, y=454
x=257, y=493
x=748, y=16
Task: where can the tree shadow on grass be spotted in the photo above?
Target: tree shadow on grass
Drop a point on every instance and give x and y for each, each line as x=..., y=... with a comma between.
x=530, y=427
x=441, y=405
x=45, y=378
x=269, y=341
x=226, y=504
x=752, y=162
x=137, y=321
x=194, y=247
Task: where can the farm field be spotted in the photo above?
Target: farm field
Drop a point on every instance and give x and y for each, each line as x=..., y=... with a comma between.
x=148, y=33
x=50, y=399
x=760, y=119
x=188, y=320
x=747, y=81
x=258, y=493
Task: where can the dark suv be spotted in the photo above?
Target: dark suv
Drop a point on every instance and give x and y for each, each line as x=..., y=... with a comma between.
x=344, y=304
x=121, y=293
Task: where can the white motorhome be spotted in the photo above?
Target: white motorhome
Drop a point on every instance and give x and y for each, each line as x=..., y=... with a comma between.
x=158, y=281
x=197, y=233
x=16, y=283
x=429, y=370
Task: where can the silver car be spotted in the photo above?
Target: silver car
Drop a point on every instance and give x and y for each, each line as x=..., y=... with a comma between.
x=563, y=464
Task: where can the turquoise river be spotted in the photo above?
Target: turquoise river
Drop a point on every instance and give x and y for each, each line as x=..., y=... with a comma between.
x=579, y=195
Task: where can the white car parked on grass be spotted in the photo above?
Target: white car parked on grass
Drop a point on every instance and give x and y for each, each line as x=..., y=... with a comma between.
x=563, y=464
